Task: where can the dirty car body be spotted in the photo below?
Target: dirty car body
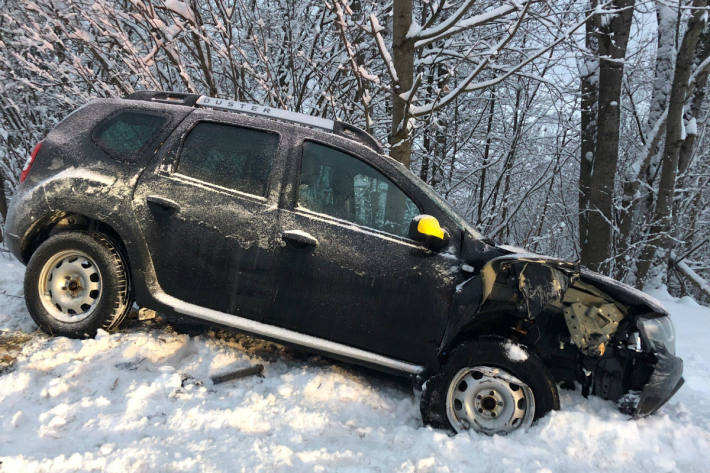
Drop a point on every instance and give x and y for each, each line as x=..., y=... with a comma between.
x=280, y=252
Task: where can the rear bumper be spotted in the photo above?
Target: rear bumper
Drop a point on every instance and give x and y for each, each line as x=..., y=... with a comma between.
x=666, y=379
x=26, y=207
x=12, y=226
x=13, y=243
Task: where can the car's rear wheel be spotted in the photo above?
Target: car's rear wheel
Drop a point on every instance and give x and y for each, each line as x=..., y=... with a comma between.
x=76, y=283
x=492, y=386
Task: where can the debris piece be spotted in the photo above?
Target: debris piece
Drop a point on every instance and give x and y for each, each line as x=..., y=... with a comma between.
x=146, y=314
x=238, y=374
x=131, y=365
x=188, y=380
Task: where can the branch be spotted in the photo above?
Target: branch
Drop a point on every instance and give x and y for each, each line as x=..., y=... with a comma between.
x=436, y=14
x=452, y=25
x=464, y=86
x=376, y=28
x=359, y=71
x=429, y=31
x=692, y=276
x=692, y=250
x=409, y=97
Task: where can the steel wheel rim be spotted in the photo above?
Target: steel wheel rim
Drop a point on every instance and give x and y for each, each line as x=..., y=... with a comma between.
x=489, y=400
x=70, y=286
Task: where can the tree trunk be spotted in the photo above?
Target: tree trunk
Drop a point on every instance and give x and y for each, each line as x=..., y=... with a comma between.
x=696, y=105
x=403, y=59
x=637, y=201
x=486, y=154
x=657, y=249
x=613, y=38
x=3, y=204
x=589, y=77
x=426, y=140
x=666, y=20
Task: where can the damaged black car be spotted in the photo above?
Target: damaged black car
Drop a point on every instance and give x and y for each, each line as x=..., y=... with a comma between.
x=298, y=229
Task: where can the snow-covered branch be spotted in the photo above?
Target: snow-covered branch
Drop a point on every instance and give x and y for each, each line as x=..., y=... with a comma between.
x=384, y=52
x=454, y=24
x=467, y=85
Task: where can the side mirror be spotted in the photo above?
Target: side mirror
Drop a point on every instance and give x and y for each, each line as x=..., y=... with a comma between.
x=426, y=230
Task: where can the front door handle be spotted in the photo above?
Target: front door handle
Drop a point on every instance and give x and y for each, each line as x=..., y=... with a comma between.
x=300, y=238
x=162, y=204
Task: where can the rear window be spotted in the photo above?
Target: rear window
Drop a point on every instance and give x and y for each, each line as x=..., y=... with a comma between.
x=229, y=156
x=127, y=132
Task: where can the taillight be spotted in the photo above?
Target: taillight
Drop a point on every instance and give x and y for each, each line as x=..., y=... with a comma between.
x=30, y=162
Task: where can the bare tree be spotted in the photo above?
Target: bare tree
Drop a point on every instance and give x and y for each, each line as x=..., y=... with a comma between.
x=610, y=29
x=476, y=66
x=656, y=252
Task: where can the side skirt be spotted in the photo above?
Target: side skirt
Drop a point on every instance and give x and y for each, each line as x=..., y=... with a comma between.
x=287, y=336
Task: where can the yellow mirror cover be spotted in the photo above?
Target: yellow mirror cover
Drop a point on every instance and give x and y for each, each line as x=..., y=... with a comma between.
x=429, y=225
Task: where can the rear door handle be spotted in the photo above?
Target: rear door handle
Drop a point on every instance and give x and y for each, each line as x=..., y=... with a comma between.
x=300, y=238
x=162, y=204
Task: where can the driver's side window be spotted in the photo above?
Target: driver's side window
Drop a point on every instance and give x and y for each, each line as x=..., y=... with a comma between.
x=340, y=185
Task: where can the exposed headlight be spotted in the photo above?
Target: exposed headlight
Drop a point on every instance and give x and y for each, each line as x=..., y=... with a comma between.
x=658, y=332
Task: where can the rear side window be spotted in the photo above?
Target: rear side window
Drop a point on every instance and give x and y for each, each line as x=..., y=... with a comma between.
x=229, y=156
x=338, y=184
x=127, y=132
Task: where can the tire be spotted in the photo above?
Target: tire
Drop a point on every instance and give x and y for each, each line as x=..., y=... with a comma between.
x=76, y=283
x=483, y=388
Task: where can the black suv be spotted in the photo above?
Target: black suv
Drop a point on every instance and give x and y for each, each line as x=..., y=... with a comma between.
x=297, y=229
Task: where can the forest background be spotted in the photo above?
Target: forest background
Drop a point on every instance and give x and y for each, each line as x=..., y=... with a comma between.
x=572, y=128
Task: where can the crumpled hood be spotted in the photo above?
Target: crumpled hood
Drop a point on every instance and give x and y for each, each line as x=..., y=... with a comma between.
x=618, y=290
x=622, y=292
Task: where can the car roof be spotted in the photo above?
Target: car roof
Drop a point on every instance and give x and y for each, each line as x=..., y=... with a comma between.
x=202, y=101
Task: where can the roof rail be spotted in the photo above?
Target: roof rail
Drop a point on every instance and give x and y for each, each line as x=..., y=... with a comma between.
x=193, y=100
x=234, y=106
x=175, y=98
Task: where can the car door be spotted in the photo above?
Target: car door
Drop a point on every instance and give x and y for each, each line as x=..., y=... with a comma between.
x=208, y=213
x=347, y=270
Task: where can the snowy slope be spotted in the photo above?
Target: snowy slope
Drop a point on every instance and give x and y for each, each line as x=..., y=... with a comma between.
x=141, y=401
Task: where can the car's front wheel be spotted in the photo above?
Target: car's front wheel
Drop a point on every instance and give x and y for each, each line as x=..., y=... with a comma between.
x=76, y=283
x=490, y=385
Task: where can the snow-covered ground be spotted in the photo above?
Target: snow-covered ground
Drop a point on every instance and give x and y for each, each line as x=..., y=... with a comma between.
x=142, y=401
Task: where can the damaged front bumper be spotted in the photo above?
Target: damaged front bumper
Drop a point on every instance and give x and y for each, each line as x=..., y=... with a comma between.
x=666, y=379
x=617, y=341
x=640, y=379
x=658, y=336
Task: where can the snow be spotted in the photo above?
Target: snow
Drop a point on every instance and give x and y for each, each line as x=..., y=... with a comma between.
x=605, y=16
x=515, y=352
x=414, y=29
x=142, y=401
x=367, y=75
x=691, y=128
x=683, y=133
x=181, y=8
